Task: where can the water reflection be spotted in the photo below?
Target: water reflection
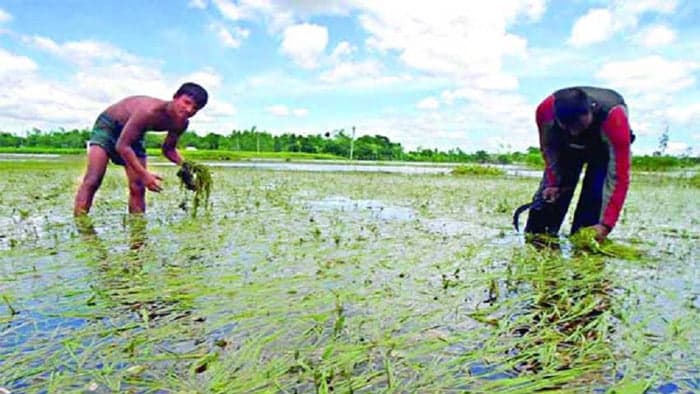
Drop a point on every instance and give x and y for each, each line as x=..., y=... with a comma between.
x=125, y=283
x=365, y=166
x=137, y=226
x=88, y=235
x=378, y=209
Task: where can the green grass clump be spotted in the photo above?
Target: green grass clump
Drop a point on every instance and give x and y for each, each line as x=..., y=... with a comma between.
x=196, y=177
x=585, y=241
x=661, y=163
x=472, y=169
x=694, y=180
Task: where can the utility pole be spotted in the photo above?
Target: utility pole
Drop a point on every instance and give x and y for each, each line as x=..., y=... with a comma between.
x=257, y=138
x=352, y=141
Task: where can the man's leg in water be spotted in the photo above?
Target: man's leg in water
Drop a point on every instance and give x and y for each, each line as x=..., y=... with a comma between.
x=137, y=190
x=96, y=167
x=588, y=209
x=547, y=217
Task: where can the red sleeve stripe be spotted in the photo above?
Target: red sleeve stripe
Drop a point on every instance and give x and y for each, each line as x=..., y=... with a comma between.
x=616, y=131
x=545, y=118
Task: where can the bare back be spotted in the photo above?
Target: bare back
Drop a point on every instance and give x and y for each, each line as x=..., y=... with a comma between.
x=152, y=112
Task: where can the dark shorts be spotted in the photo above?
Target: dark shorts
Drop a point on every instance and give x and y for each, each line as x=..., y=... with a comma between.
x=105, y=133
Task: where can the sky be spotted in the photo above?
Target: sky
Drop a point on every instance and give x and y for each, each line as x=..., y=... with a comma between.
x=439, y=74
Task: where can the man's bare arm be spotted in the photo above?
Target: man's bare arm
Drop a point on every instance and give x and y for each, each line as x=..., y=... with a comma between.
x=169, y=147
x=133, y=130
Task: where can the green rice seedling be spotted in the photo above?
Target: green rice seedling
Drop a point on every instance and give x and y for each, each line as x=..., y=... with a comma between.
x=197, y=178
x=12, y=310
x=474, y=169
x=585, y=241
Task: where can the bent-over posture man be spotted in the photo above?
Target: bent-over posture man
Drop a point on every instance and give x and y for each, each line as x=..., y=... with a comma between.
x=118, y=134
x=577, y=126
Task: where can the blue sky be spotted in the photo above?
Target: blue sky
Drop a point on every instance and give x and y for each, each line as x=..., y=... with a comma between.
x=438, y=74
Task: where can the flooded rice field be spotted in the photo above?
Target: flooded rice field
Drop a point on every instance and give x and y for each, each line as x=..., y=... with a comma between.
x=324, y=281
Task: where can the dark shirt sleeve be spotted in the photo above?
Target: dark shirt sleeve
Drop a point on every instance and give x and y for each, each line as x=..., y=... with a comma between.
x=550, y=152
x=616, y=131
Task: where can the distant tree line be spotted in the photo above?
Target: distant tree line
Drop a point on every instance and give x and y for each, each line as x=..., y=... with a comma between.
x=337, y=142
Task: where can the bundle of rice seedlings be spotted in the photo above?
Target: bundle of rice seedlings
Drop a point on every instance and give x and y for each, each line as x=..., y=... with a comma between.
x=197, y=178
x=584, y=240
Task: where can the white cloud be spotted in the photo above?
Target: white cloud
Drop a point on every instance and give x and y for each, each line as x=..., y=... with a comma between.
x=684, y=114
x=217, y=117
x=462, y=40
x=676, y=148
x=489, y=122
x=229, y=9
x=201, y=4
x=494, y=81
x=654, y=89
x=10, y=63
x=283, y=111
x=33, y=99
x=650, y=74
x=5, y=16
x=343, y=49
x=464, y=127
x=278, y=110
x=208, y=78
x=595, y=26
x=114, y=81
x=638, y=7
x=600, y=24
x=300, y=112
x=34, y=102
x=654, y=36
x=82, y=52
x=304, y=44
x=217, y=109
x=229, y=38
x=465, y=41
x=348, y=70
x=277, y=15
x=428, y=103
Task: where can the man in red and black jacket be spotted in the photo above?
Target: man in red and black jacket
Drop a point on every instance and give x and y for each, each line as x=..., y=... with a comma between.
x=577, y=126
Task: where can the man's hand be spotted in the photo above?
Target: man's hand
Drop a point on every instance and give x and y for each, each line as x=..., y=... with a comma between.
x=187, y=177
x=551, y=194
x=601, y=232
x=152, y=182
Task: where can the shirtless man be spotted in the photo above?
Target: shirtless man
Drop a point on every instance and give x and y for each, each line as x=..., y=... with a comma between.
x=118, y=134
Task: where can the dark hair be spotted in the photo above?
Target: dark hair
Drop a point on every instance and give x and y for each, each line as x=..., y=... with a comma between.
x=570, y=104
x=198, y=93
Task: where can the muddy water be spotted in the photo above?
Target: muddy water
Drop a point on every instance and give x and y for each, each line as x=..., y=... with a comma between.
x=363, y=280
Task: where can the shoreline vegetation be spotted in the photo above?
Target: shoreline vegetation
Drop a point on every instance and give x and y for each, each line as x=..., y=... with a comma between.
x=645, y=163
x=337, y=145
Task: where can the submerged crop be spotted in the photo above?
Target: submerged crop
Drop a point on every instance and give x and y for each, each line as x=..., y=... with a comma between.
x=344, y=282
